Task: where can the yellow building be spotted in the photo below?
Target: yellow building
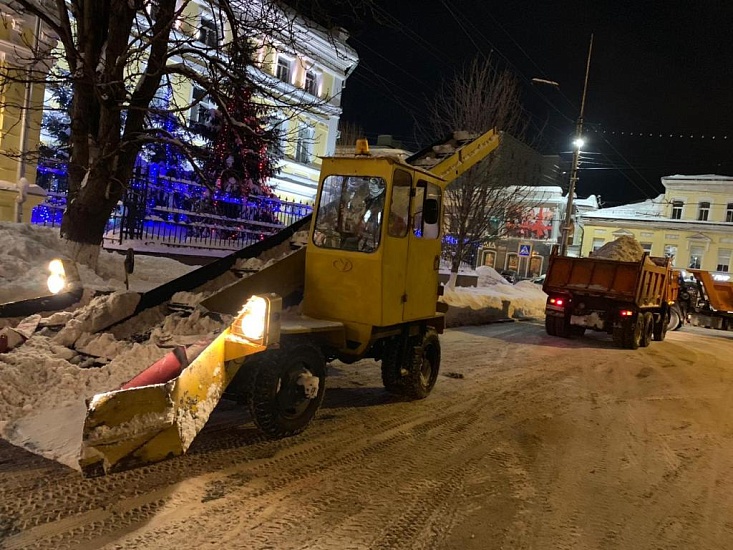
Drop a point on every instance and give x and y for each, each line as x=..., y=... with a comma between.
x=20, y=116
x=307, y=71
x=692, y=222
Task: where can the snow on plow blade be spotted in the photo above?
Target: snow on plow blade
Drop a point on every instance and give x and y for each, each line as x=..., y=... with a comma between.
x=140, y=425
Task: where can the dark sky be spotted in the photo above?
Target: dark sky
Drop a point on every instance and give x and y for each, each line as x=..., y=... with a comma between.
x=659, y=68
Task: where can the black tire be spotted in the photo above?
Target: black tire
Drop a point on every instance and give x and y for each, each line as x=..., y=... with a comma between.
x=618, y=336
x=675, y=319
x=660, y=327
x=279, y=404
x=242, y=386
x=576, y=331
x=392, y=366
x=647, y=330
x=633, y=332
x=423, y=367
x=562, y=327
x=550, y=325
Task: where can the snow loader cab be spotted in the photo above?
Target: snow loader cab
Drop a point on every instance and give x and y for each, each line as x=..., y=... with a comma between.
x=372, y=260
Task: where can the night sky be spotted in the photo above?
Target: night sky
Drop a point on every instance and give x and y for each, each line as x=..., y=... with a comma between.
x=659, y=68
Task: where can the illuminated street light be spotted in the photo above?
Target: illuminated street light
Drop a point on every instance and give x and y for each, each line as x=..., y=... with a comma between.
x=578, y=142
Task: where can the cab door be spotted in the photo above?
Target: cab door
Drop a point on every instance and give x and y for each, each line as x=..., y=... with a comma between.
x=423, y=255
x=396, y=245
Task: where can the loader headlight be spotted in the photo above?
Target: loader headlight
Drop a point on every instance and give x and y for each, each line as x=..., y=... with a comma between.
x=62, y=274
x=57, y=279
x=257, y=321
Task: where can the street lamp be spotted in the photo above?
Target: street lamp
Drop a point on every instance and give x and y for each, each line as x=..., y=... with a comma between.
x=578, y=143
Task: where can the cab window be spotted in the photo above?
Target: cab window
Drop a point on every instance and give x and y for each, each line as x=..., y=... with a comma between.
x=399, y=208
x=350, y=213
x=426, y=210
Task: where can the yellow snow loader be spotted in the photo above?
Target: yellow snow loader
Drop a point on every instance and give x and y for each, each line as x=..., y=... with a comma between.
x=364, y=286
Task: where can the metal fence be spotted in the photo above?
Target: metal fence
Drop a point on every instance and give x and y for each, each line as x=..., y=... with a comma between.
x=179, y=213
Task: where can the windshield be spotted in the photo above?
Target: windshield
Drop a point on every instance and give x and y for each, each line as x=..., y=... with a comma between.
x=350, y=213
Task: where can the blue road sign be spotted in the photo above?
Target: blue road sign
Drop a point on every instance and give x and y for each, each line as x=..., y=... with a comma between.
x=524, y=249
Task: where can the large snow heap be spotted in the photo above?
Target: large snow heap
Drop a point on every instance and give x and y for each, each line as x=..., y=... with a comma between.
x=623, y=249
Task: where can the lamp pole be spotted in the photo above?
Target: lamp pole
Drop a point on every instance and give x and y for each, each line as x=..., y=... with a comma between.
x=578, y=143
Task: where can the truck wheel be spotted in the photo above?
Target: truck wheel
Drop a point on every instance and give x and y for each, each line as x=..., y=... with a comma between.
x=633, y=332
x=550, y=325
x=562, y=327
x=647, y=329
x=576, y=331
x=422, y=370
x=660, y=327
x=618, y=336
x=288, y=389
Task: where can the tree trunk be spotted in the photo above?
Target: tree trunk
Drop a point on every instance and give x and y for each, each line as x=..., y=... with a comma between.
x=86, y=217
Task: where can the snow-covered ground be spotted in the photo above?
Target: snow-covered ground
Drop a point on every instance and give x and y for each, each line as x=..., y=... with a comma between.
x=44, y=382
x=27, y=250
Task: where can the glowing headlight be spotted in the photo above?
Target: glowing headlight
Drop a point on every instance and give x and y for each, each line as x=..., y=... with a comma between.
x=57, y=279
x=252, y=320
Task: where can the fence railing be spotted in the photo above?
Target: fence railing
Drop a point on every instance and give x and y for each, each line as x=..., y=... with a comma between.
x=183, y=214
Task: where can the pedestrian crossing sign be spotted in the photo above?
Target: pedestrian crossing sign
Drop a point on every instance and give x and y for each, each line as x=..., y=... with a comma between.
x=524, y=249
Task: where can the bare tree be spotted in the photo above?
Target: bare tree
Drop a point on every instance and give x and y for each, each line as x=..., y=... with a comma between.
x=122, y=58
x=479, y=97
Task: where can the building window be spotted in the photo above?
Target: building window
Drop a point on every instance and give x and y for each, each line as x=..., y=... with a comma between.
x=203, y=107
x=283, y=69
x=703, y=211
x=670, y=251
x=647, y=248
x=677, y=210
x=598, y=243
x=311, y=83
x=303, y=145
x=729, y=213
x=724, y=260
x=207, y=33
x=696, y=257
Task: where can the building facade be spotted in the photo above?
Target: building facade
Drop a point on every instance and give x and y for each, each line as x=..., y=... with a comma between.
x=20, y=115
x=692, y=222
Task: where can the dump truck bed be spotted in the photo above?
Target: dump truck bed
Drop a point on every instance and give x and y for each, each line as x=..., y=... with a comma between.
x=644, y=283
x=719, y=294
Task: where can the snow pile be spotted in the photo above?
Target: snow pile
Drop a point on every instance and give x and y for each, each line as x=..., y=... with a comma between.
x=488, y=276
x=623, y=249
x=479, y=305
x=102, y=312
x=28, y=249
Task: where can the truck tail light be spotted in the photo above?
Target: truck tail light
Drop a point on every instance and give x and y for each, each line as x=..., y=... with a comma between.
x=557, y=301
x=625, y=313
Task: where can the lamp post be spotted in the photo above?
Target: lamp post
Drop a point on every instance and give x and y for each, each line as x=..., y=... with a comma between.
x=578, y=143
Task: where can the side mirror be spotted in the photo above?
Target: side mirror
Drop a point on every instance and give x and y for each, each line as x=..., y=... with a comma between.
x=431, y=211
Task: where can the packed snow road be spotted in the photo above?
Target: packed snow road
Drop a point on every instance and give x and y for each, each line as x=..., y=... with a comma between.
x=527, y=441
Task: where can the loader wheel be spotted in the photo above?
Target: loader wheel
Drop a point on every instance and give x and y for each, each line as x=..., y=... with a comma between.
x=675, y=320
x=422, y=370
x=412, y=373
x=392, y=366
x=647, y=330
x=288, y=389
x=660, y=328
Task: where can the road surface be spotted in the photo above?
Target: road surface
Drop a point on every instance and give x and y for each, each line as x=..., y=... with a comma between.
x=527, y=441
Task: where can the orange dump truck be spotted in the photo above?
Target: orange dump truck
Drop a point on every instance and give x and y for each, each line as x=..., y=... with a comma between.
x=705, y=299
x=629, y=300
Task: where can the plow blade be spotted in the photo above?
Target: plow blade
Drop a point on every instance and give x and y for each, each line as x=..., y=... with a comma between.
x=140, y=425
